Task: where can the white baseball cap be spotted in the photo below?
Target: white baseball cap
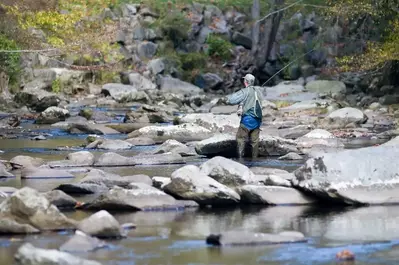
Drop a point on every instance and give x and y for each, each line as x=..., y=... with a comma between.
x=249, y=78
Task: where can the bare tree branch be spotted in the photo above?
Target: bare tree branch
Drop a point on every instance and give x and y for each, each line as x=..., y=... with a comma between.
x=280, y=10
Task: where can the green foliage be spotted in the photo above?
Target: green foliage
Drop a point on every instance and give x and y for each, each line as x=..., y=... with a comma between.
x=194, y=60
x=56, y=86
x=219, y=47
x=104, y=77
x=175, y=27
x=9, y=62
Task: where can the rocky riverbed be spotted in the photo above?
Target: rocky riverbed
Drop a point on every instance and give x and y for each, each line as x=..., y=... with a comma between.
x=145, y=183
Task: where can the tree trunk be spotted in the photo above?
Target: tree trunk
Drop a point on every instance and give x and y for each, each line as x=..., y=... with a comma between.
x=3, y=82
x=266, y=35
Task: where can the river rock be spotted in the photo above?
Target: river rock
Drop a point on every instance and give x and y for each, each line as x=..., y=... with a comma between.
x=29, y=255
x=25, y=161
x=60, y=199
x=44, y=173
x=173, y=146
x=273, y=195
x=345, y=116
x=138, y=197
x=318, y=138
x=82, y=188
x=226, y=145
x=11, y=227
x=182, y=133
x=326, y=87
x=160, y=182
x=141, y=178
x=52, y=115
x=4, y=173
x=272, y=176
x=228, y=172
x=102, y=225
x=141, y=141
x=81, y=242
x=208, y=81
x=114, y=145
x=290, y=156
x=81, y=158
x=113, y=159
x=176, y=86
x=243, y=238
x=190, y=183
x=27, y=206
x=212, y=122
x=140, y=82
x=359, y=176
x=86, y=128
x=124, y=93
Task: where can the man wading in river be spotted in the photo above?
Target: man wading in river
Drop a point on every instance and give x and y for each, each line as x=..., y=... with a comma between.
x=251, y=115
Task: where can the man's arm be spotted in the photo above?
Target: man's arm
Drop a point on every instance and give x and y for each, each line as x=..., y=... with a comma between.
x=237, y=97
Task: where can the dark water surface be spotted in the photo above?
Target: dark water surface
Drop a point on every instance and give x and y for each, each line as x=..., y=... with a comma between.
x=372, y=233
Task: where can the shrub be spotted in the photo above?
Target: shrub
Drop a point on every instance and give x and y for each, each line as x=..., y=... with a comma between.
x=9, y=62
x=195, y=60
x=219, y=47
x=56, y=86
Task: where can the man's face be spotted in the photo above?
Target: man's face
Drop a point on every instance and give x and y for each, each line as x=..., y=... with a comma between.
x=245, y=83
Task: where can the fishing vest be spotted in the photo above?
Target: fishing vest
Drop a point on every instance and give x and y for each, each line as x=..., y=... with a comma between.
x=252, y=105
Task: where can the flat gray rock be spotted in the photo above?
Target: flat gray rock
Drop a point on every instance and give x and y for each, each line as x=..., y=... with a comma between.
x=273, y=195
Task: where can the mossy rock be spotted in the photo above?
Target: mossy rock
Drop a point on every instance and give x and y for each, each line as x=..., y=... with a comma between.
x=86, y=113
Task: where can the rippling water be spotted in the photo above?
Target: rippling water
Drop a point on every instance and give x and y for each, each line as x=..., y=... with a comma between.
x=372, y=233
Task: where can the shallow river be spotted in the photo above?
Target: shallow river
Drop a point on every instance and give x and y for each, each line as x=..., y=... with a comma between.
x=372, y=233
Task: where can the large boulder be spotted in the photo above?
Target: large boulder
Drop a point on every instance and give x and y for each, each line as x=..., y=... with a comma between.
x=25, y=161
x=29, y=255
x=345, y=116
x=124, y=93
x=212, y=122
x=228, y=172
x=27, y=206
x=182, y=133
x=190, y=183
x=138, y=197
x=226, y=145
x=102, y=225
x=174, y=85
x=243, y=238
x=140, y=82
x=9, y=226
x=82, y=158
x=52, y=115
x=359, y=176
x=209, y=81
x=273, y=195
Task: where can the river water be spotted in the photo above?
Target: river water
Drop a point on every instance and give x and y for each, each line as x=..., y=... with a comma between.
x=371, y=233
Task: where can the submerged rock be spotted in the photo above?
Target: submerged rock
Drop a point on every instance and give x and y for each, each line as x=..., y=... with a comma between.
x=27, y=206
x=114, y=145
x=29, y=255
x=81, y=242
x=360, y=176
x=113, y=159
x=102, y=225
x=273, y=195
x=138, y=196
x=243, y=238
x=44, y=173
x=190, y=183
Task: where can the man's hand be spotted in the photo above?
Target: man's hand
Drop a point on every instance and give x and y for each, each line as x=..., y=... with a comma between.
x=222, y=100
x=239, y=110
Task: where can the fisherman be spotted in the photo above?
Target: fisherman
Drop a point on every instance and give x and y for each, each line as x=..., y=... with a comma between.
x=249, y=100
